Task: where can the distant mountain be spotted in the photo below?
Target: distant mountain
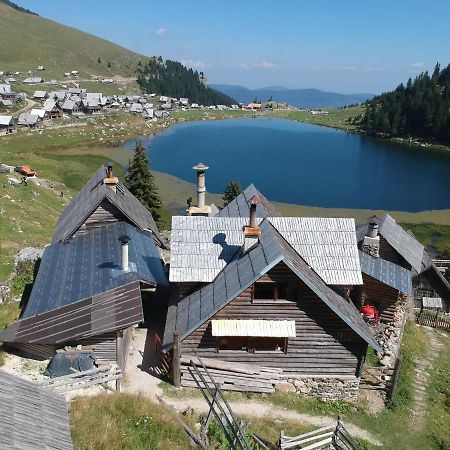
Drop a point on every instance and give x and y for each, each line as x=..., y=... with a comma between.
x=301, y=98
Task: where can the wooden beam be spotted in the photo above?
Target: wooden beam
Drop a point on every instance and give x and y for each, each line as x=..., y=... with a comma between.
x=176, y=355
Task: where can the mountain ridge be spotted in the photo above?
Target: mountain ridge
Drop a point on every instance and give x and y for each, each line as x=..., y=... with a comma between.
x=300, y=98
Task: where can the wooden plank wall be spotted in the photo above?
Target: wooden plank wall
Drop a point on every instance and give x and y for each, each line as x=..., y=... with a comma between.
x=104, y=347
x=324, y=344
x=388, y=253
x=105, y=214
x=383, y=297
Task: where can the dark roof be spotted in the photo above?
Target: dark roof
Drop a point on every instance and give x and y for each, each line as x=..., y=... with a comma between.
x=112, y=310
x=32, y=417
x=192, y=311
x=387, y=272
x=240, y=206
x=402, y=241
x=440, y=284
x=89, y=199
x=89, y=264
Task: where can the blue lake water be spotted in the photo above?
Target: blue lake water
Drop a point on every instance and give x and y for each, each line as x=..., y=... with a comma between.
x=298, y=163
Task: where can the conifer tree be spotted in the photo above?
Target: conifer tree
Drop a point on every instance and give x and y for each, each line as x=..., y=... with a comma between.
x=232, y=190
x=141, y=182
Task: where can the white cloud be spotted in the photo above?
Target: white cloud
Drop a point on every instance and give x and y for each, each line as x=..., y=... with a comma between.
x=416, y=65
x=162, y=32
x=194, y=64
x=373, y=69
x=265, y=65
x=345, y=68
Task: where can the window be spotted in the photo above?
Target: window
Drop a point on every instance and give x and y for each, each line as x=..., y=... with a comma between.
x=269, y=291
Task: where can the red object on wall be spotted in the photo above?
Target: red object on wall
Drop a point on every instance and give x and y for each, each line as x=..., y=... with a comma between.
x=370, y=313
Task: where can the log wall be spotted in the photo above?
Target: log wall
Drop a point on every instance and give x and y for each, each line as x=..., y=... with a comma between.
x=324, y=344
x=105, y=214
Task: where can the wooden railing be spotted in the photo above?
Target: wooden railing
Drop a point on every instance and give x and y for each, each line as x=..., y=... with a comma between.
x=164, y=358
x=433, y=319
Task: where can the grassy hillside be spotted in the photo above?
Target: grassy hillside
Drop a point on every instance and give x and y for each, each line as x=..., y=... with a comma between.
x=29, y=41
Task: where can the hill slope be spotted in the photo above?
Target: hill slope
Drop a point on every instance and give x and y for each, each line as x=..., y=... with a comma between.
x=29, y=41
x=301, y=98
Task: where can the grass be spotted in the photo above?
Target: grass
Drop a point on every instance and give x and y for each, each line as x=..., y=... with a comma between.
x=123, y=421
x=432, y=236
x=31, y=41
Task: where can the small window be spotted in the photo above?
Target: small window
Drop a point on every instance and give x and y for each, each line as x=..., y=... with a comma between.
x=269, y=291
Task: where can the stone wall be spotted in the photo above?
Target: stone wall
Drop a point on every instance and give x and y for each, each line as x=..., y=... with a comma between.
x=331, y=387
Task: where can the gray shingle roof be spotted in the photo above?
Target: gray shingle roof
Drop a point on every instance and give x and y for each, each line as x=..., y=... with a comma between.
x=387, y=272
x=109, y=311
x=89, y=264
x=28, y=119
x=195, y=309
x=88, y=200
x=32, y=417
x=202, y=246
x=402, y=241
x=240, y=206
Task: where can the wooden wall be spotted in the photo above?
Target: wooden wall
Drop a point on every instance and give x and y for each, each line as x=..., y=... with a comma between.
x=324, y=344
x=380, y=295
x=388, y=253
x=105, y=214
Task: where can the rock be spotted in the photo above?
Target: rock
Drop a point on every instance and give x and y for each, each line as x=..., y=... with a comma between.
x=285, y=387
x=28, y=254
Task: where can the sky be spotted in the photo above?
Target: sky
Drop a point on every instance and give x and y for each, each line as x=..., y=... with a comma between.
x=345, y=46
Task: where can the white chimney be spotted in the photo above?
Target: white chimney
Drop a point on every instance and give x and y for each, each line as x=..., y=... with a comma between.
x=252, y=230
x=371, y=242
x=124, y=263
x=201, y=187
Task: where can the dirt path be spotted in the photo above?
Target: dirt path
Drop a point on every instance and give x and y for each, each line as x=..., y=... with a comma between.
x=422, y=378
x=142, y=377
x=30, y=105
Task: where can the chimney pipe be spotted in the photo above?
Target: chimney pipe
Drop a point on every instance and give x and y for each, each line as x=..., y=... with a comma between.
x=201, y=187
x=124, y=263
x=252, y=231
x=110, y=180
x=371, y=242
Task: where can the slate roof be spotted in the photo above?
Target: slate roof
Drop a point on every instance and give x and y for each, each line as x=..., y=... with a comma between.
x=28, y=119
x=402, y=241
x=387, y=272
x=113, y=310
x=192, y=311
x=88, y=200
x=49, y=105
x=89, y=264
x=202, y=246
x=68, y=104
x=5, y=120
x=32, y=417
x=240, y=206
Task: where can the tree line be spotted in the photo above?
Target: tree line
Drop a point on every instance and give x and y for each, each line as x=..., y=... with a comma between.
x=421, y=109
x=173, y=79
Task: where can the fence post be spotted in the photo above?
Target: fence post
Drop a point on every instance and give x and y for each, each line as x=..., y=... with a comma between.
x=395, y=375
x=176, y=355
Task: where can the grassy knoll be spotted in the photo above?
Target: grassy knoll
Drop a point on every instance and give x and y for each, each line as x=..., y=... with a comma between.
x=31, y=41
x=336, y=118
x=431, y=235
x=120, y=421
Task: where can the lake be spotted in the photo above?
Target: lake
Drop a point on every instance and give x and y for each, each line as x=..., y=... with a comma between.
x=294, y=162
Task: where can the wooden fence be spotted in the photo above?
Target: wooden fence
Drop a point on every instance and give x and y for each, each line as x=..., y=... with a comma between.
x=433, y=319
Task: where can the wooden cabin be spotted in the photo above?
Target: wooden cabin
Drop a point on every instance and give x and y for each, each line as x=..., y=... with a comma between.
x=262, y=299
x=106, y=253
x=385, y=240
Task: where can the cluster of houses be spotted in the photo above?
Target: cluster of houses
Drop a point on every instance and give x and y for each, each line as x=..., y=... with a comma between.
x=245, y=287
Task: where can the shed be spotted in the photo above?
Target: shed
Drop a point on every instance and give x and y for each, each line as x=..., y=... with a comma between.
x=32, y=417
x=7, y=125
x=29, y=120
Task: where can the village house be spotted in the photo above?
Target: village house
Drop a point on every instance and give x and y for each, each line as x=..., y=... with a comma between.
x=52, y=109
x=6, y=103
x=7, y=125
x=71, y=106
x=40, y=95
x=33, y=80
x=384, y=239
x=39, y=112
x=32, y=416
x=31, y=121
x=266, y=291
x=6, y=92
x=105, y=251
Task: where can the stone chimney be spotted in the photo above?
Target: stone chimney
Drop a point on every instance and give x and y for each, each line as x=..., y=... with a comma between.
x=201, y=209
x=252, y=230
x=110, y=180
x=124, y=263
x=371, y=242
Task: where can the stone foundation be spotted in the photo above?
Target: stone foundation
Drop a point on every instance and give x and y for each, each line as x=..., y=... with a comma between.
x=331, y=388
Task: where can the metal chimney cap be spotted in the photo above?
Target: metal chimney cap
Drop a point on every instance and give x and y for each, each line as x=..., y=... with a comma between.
x=124, y=239
x=200, y=167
